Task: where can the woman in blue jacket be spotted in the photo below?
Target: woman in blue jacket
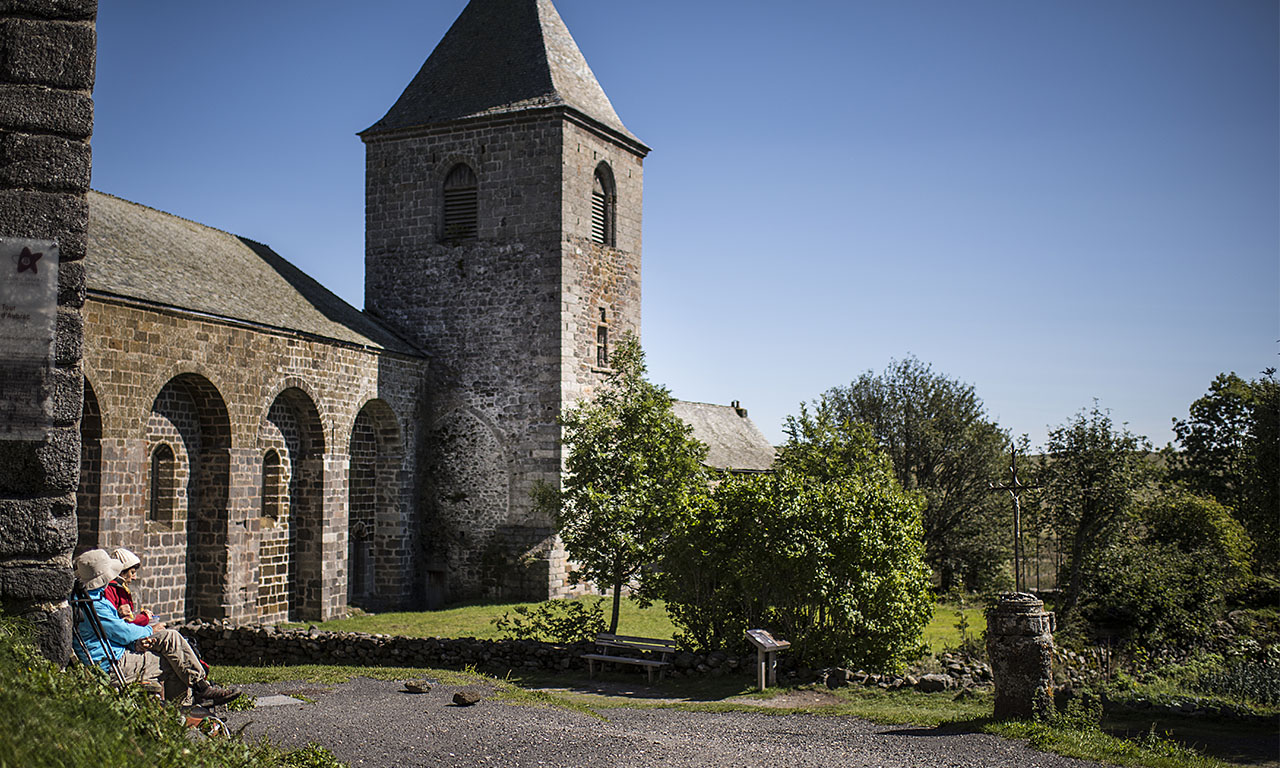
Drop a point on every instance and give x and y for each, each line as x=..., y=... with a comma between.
x=144, y=654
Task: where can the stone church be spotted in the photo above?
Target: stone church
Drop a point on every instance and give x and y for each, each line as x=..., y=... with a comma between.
x=274, y=453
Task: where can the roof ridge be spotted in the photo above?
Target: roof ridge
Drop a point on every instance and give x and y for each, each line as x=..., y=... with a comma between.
x=174, y=216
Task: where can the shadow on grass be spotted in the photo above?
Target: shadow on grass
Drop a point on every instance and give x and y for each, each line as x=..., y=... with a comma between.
x=1253, y=742
x=950, y=728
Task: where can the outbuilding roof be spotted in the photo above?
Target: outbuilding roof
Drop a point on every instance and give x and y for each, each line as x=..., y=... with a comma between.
x=733, y=441
x=139, y=253
x=502, y=56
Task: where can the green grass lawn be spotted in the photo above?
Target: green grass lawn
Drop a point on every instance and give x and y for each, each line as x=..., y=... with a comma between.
x=942, y=633
x=476, y=620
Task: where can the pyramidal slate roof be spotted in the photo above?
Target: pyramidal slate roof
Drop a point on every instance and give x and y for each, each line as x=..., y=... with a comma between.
x=502, y=56
x=139, y=253
x=733, y=441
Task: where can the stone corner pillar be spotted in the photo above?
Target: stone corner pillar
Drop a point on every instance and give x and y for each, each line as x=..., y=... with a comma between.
x=1020, y=644
x=47, y=59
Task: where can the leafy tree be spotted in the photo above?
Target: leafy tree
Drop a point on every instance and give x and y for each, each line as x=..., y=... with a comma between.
x=941, y=444
x=1092, y=476
x=1214, y=441
x=1261, y=514
x=826, y=553
x=633, y=469
x=1164, y=578
x=1231, y=451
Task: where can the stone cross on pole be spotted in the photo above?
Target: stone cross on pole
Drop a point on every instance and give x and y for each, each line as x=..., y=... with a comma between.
x=1015, y=489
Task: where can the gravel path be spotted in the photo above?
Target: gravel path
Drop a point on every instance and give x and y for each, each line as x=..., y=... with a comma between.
x=372, y=723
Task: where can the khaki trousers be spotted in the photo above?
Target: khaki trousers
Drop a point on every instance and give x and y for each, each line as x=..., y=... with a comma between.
x=170, y=662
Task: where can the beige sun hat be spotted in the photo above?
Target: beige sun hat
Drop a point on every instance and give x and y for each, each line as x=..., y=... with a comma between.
x=127, y=559
x=96, y=568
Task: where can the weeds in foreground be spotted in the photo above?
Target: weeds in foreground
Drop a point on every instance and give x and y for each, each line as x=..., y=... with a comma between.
x=74, y=717
x=1151, y=750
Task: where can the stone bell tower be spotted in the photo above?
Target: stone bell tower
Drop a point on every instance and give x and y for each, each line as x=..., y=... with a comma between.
x=503, y=203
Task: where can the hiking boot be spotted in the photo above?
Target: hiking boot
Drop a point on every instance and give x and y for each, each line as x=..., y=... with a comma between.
x=212, y=695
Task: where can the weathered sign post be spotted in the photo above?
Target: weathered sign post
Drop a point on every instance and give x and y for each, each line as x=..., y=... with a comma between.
x=28, y=318
x=766, y=656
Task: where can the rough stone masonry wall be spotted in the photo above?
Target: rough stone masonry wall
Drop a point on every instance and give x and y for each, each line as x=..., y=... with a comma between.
x=597, y=277
x=47, y=56
x=488, y=315
x=600, y=284
x=245, y=399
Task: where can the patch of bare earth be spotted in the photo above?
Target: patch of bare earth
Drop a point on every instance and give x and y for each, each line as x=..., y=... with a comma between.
x=794, y=700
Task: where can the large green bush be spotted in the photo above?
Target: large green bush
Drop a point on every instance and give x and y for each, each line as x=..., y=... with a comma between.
x=1164, y=578
x=826, y=553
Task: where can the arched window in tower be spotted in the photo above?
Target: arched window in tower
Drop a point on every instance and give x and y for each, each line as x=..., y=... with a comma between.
x=461, y=205
x=604, y=203
x=164, y=484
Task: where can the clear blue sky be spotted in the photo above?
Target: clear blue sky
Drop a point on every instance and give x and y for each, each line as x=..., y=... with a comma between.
x=1053, y=201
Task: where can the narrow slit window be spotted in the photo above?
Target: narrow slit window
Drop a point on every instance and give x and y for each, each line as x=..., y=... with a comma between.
x=273, y=496
x=164, y=484
x=602, y=346
x=461, y=205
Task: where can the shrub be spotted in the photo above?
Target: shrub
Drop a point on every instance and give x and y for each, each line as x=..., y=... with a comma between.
x=1251, y=681
x=835, y=566
x=1166, y=576
x=554, y=621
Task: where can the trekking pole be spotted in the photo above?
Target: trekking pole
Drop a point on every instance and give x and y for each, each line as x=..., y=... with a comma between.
x=80, y=602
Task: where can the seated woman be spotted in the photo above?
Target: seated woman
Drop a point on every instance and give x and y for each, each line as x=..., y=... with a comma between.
x=118, y=592
x=145, y=654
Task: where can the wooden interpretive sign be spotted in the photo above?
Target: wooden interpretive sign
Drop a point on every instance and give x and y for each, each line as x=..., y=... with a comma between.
x=765, y=642
x=767, y=648
x=28, y=319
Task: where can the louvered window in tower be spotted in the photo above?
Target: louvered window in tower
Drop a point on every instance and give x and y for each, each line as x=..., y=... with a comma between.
x=603, y=202
x=461, y=205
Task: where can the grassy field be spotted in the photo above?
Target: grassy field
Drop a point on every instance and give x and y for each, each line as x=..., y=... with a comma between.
x=477, y=621
x=942, y=631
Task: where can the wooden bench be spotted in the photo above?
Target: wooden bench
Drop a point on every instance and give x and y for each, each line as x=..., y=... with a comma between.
x=609, y=645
